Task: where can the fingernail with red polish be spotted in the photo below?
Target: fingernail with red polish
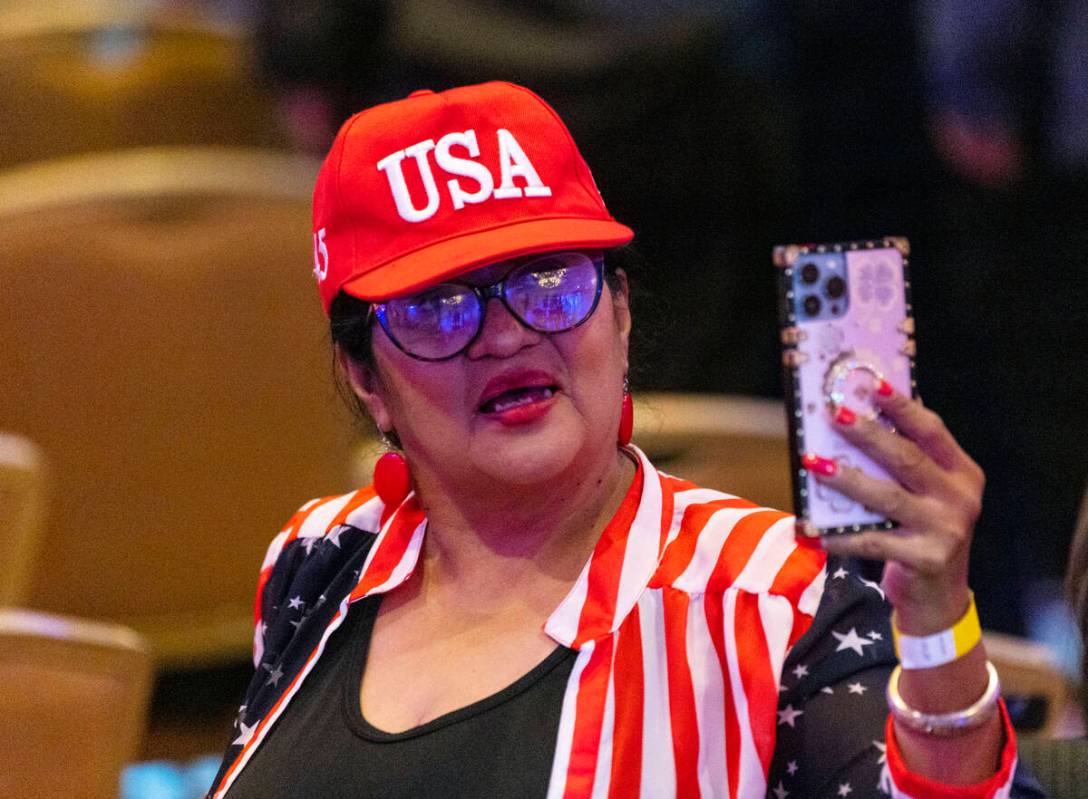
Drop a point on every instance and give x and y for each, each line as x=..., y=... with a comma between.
x=818, y=465
x=884, y=388
x=845, y=416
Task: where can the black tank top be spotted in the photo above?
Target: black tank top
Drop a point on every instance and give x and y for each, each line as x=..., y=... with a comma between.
x=323, y=747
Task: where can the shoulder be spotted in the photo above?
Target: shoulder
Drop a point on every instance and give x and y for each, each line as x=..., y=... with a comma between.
x=717, y=541
x=317, y=519
x=312, y=559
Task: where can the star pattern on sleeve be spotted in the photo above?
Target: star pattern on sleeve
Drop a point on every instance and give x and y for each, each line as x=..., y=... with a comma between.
x=788, y=715
x=851, y=640
x=274, y=676
x=829, y=735
x=875, y=586
x=333, y=536
x=832, y=709
x=245, y=733
x=295, y=609
x=883, y=749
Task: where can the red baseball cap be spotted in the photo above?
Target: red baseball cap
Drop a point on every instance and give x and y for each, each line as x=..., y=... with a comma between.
x=420, y=190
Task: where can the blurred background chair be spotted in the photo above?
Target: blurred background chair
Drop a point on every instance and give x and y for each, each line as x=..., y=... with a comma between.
x=731, y=443
x=21, y=508
x=1036, y=689
x=78, y=77
x=168, y=357
x=74, y=704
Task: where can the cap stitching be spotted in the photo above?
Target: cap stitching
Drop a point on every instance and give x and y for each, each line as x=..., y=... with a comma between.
x=339, y=193
x=476, y=231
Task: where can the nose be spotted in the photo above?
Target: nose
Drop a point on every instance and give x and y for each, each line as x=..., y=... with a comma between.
x=502, y=335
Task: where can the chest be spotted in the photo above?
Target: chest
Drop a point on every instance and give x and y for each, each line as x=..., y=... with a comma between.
x=422, y=663
x=679, y=700
x=323, y=746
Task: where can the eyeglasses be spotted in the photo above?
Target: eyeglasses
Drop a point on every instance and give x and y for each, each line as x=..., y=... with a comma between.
x=550, y=294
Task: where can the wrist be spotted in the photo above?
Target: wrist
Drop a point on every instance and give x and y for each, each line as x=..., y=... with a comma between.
x=933, y=612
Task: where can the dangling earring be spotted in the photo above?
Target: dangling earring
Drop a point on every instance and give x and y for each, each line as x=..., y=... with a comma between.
x=627, y=415
x=392, y=480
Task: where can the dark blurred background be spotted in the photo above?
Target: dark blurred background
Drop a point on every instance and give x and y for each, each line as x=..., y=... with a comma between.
x=715, y=130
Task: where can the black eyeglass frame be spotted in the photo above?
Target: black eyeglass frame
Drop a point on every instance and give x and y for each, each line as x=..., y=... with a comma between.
x=494, y=290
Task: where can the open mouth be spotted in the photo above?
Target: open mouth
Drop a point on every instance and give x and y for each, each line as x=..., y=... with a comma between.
x=518, y=397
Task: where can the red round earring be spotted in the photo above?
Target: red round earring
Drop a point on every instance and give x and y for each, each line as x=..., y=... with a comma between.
x=627, y=416
x=392, y=480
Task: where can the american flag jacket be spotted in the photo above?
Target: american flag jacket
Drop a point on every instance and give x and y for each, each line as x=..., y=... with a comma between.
x=682, y=620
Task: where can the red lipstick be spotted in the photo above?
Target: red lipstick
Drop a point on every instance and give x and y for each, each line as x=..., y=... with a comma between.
x=518, y=397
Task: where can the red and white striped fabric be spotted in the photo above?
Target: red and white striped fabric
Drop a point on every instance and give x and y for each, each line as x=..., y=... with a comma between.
x=682, y=619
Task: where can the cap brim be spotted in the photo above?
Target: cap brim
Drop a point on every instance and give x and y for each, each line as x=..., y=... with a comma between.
x=456, y=256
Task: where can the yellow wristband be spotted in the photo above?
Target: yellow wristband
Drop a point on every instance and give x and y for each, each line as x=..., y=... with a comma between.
x=930, y=651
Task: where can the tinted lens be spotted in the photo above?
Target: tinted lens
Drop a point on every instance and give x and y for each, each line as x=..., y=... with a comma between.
x=435, y=324
x=554, y=292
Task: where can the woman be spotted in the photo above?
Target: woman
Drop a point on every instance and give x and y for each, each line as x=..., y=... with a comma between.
x=522, y=605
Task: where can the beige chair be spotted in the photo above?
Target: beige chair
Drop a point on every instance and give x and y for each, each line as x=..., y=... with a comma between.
x=73, y=706
x=734, y=444
x=79, y=76
x=21, y=501
x=165, y=348
x=1029, y=670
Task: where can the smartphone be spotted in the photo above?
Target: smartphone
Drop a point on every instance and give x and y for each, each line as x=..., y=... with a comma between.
x=846, y=323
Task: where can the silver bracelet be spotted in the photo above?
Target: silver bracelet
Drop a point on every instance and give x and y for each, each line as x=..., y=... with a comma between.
x=944, y=724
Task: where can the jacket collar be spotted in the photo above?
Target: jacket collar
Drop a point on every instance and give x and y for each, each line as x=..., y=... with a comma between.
x=610, y=583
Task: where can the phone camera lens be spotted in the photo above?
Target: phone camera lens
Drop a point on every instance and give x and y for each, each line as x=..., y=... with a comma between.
x=812, y=305
x=810, y=273
x=836, y=287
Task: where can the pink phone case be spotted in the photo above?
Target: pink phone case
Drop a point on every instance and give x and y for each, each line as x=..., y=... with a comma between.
x=846, y=323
